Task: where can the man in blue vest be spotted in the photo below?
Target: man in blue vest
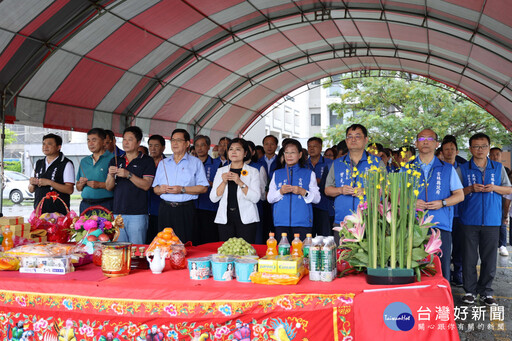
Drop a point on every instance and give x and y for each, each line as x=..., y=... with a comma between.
x=440, y=189
x=269, y=163
x=344, y=181
x=322, y=224
x=485, y=182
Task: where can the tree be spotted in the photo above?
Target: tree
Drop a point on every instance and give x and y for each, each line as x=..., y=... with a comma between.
x=394, y=110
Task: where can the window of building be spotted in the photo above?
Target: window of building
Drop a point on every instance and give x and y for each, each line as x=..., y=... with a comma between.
x=315, y=120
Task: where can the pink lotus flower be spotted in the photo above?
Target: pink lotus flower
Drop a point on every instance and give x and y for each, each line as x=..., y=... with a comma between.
x=356, y=218
x=90, y=224
x=434, y=243
x=357, y=231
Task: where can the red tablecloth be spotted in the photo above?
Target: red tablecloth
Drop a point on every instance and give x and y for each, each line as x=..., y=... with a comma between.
x=180, y=308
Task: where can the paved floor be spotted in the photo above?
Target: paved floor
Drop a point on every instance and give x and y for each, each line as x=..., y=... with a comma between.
x=478, y=324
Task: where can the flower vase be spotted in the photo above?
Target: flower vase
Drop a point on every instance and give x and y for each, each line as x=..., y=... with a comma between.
x=388, y=276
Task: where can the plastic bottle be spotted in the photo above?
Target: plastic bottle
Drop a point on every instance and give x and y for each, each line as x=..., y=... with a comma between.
x=271, y=245
x=284, y=245
x=329, y=260
x=306, y=244
x=7, y=243
x=296, y=250
x=315, y=258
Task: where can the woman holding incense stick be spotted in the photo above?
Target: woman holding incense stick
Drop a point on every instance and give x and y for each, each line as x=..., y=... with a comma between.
x=292, y=192
x=237, y=189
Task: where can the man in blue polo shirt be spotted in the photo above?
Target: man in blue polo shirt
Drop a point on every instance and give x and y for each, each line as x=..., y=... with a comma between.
x=206, y=209
x=440, y=189
x=179, y=180
x=322, y=224
x=485, y=182
x=92, y=173
x=344, y=181
x=130, y=177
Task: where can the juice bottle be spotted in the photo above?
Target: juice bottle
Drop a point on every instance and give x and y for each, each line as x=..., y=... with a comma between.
x=284, y=245
x=7, y=243
x=306, y=245
x=296, y=250
x=271, y=245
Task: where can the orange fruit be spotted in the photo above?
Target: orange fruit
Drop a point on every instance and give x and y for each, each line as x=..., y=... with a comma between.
x=166, y=236
x=175, y=239
x=168, y=230
x=160, y=234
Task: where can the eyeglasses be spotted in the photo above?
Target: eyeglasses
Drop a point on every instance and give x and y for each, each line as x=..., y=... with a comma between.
x=355, y=137
x=177, y=140
x=429, y=138
x=480, y=147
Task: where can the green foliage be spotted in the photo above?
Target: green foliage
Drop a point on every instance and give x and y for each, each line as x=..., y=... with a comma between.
x=13, y=166
x=396, y=109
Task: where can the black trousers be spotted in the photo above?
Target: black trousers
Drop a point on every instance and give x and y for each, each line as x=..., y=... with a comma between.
x=208, y=231
x=181, y=217
x=236, y=228
x=322, y=225
x=153, y=228
x=481, y=240
x=291, y=230
x=267, y=220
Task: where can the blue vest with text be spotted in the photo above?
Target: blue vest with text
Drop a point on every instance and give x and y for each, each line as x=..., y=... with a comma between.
x=343, y=170
x=292, y=210
x=321, y=170
x=203, y=201
x=436, y=187
x=482, y=209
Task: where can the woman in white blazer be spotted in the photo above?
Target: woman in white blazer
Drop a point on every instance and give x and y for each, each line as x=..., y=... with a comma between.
x=237, y=187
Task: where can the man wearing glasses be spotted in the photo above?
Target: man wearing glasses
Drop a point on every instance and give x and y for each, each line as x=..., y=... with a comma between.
x=179, y=179
x=485, y=182
x=440, y=189
x=344, y=181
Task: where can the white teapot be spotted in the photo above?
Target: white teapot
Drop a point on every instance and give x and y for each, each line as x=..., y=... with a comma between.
x=157, y=264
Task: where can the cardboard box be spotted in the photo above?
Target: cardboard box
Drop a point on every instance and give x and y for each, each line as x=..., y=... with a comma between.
x=11, y=220
x=47, y=265
x=43, y=239
x=20, y=230
x=289, y=265
x=267, y=264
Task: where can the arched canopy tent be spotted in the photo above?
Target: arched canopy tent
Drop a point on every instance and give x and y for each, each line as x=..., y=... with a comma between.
x=213, y=66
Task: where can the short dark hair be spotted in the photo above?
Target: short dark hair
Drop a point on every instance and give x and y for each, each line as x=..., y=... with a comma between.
x=224, y=138
x=252, y=148
x=135, y=131
x=271, y=136
x=408, y=148
x=159, y=138
x=56, y=138
x=355, y=126
x=294, y=142
x=341, y=147
x=110, y=134
x=97, y=131
x=185, y=133
x=479, y=136
x=206, y=139
x=317, y=139
x=446, y=141
x=244, y=145
x=496, y=148
x=260, y=148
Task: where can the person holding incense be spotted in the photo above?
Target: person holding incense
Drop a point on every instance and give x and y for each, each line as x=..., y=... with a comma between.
x=179, y=179
x=92, y=173
x=237, y=189
x=292, y=191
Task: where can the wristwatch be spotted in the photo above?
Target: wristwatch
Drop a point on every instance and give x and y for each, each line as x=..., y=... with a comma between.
x=243, y=186
x=306, y=195
x=182, y=189
x=129, y=176
x=444, y=203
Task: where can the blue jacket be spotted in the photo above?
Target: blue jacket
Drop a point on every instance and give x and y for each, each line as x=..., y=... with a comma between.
x=346, y=204
x=482, y=209
x=321, y=170
x=292, y=210
x=203, y=201
x=438, y=188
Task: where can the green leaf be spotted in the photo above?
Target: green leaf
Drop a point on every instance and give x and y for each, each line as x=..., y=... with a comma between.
x=419, y=253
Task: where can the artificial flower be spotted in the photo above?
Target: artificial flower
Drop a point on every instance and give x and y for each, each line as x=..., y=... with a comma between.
x=244, y=172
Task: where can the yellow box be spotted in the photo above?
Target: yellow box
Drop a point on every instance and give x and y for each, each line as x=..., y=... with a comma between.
x=20, y=230
x=11, y=220
x=40, y=239
x=289, y=264
x=267, y=264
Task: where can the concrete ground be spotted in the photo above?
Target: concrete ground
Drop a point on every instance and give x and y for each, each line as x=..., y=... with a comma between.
x=478, y=326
